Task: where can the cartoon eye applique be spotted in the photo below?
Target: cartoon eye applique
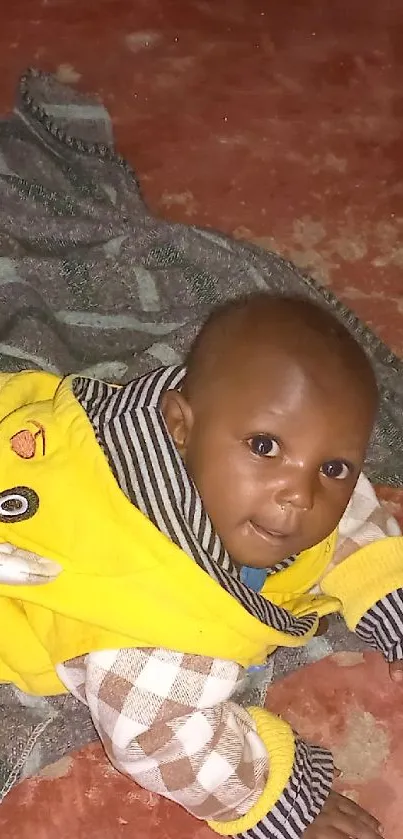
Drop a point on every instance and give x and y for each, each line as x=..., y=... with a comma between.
x=18, y=504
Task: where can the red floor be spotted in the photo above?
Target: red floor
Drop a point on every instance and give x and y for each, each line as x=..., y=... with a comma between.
x=347, y=702
x=280, y=123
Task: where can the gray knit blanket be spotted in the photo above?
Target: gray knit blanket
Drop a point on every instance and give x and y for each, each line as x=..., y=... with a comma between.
x=91, y=282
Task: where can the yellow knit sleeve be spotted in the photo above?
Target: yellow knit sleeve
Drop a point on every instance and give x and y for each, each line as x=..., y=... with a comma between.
x=278, y=738
x=365, y=577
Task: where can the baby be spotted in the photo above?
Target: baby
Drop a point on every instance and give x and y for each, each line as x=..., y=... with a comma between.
x=186, y=525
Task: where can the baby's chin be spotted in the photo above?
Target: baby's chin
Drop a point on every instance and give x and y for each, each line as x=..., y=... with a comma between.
x=267, y=562
x=263, y=566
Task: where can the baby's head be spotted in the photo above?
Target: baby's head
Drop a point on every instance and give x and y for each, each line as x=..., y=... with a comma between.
x=272, y=423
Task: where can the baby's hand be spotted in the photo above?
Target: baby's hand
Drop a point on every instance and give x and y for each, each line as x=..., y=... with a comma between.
x=341, y=818
x=396, y=671
x=19, y=567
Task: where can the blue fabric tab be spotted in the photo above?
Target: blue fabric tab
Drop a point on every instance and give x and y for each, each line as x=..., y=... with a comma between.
x=254, y=578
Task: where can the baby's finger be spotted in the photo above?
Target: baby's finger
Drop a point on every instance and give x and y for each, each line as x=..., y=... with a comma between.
x=354, y=829
x=396, y=671
x=353, y=811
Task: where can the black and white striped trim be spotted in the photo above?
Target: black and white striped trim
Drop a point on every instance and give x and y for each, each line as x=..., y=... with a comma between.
x=382, y=626
x=131, y=430
x=303, y=798
x=281, y=566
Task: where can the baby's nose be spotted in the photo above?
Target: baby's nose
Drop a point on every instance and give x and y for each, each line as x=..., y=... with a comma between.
x=299, y=491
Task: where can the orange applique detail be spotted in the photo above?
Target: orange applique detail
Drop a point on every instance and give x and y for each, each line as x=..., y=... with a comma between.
x=24, y=442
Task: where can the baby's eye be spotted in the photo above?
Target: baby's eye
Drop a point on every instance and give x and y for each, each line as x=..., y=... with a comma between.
x=336, y=469
x=264, y=446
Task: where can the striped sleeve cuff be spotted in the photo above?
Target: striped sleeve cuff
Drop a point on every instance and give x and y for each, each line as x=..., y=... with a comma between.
x=302, y=799
x=382, y=626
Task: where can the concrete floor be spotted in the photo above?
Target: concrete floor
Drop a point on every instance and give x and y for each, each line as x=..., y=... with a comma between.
x=279, y=123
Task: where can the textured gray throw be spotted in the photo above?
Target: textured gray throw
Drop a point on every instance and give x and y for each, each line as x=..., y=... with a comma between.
x=91, y=282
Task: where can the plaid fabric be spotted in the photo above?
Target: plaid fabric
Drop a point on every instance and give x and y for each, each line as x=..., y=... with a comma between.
x=366, y=520
x=166, y=719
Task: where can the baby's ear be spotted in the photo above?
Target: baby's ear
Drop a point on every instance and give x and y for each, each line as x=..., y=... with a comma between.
x=178, y=416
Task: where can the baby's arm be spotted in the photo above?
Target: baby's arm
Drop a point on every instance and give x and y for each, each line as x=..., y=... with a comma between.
x=167, y=720
x=366, y=572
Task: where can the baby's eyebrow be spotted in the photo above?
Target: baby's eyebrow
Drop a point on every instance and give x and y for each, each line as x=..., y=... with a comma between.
x=277, y=412
x=262, y=418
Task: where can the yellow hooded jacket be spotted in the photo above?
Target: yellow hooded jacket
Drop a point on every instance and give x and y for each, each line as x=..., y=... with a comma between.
x=125, y=584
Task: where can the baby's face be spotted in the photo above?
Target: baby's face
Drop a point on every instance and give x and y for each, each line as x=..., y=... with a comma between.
x=275, y=455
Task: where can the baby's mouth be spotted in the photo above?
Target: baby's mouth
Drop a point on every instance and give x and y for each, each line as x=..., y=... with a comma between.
x=268, y=533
